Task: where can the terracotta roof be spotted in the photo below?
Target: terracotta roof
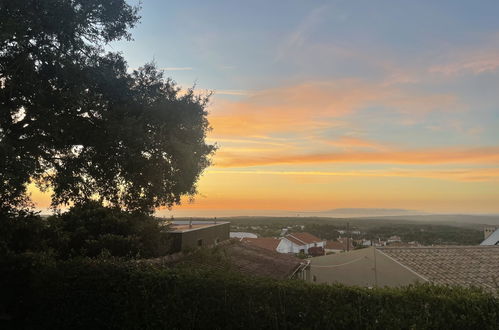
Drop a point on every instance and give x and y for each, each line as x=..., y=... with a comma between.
x=303, y=238
x=256, y=261
x=268, y=243
x=340, y=244
x=453, y=265
x=241, y=257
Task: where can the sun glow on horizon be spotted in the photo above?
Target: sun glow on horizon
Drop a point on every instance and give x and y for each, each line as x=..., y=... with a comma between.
x=328, y=106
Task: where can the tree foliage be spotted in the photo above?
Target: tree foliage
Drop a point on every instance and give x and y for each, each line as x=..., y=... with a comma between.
x=74, y=119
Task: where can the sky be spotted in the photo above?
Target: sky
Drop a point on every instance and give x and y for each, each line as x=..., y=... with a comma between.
x=335, y=104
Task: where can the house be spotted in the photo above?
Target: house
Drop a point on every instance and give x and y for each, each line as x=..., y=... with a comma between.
x=491, y=235
x=189, y=234
x=400, y=266
x=299, y=243
x=393, y=239
x=340, y=245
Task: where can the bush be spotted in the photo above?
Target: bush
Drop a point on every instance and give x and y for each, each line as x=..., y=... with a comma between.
x=93, y=294
x=21, y=232
x=85, y=230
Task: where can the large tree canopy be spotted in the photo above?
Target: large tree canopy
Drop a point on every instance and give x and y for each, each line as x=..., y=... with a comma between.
x=74, y=119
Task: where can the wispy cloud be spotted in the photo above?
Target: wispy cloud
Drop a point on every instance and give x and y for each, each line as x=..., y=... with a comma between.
x=474, y=63
x=236, y=92
x=481, y=57
x=465, y=175
x=480, y=155
x=303, y=30
x=181, y=68
x=316, y=105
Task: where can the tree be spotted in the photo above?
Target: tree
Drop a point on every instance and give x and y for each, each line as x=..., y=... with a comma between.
x=74, y=119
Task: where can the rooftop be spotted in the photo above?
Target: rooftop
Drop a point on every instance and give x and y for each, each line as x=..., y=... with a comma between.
x=303, y=238
x=268, y=243
x=493, y=238
x=257, y=261
x=453, y=265
x=340, y=244
x=184, y=227
x=241, y=257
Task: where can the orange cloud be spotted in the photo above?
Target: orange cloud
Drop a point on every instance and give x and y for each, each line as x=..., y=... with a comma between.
x=353, y=142
x=316, y=105
x=464, y=175
x=484, y=155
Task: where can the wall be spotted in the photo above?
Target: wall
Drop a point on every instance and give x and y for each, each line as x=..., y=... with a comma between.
x=286, y=246
x=189, y=239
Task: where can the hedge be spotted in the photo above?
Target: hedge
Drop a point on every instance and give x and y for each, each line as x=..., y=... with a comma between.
x=97, y=294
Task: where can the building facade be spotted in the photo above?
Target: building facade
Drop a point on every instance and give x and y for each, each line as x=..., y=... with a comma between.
x=299, y=243
x=190, y=236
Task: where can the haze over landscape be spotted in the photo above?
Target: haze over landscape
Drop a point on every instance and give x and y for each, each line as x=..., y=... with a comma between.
x=323, y=105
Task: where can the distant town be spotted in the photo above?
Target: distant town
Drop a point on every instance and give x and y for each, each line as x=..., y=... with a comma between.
x=364, y=253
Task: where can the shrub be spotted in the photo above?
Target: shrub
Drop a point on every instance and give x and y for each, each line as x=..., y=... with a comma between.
x=91, y=229
x=85, y=230
x=90, y=294
x=21, y=232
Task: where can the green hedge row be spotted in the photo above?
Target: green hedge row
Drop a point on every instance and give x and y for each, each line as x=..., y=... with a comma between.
x=93, y=294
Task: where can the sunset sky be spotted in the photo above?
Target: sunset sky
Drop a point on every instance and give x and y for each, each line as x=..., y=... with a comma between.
x=332, y=104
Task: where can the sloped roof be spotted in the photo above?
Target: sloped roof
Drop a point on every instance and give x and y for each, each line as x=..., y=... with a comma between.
x=493, y=239
x=268, y=243
x=339, y=244
x=453, y=265
x=303, y=238
x=256, y=261
x=244, y=258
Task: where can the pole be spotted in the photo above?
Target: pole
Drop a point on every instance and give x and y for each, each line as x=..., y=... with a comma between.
x=348, y=236
x=375, y=269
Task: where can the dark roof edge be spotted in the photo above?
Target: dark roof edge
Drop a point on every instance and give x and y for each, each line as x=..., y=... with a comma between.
x=193, y=229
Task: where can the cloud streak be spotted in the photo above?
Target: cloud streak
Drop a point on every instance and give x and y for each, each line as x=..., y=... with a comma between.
x=483, y=155
x=464, y=175
x=317, y=105
x=173, y=68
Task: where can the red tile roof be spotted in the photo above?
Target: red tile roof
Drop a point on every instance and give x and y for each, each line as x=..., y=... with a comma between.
x=340, y=244
x=303, y=238
x=241, y=257
x=268, y=243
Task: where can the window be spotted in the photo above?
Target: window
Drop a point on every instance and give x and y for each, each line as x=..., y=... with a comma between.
x=200, y=242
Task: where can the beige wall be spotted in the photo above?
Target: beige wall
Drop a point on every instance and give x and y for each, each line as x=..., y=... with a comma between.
x=365, y=267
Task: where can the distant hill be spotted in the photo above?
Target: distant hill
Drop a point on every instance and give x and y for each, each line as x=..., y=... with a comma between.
x=492, y=219
x=362, y=212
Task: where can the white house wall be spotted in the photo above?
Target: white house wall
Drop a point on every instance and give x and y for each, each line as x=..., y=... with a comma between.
x=287, y=246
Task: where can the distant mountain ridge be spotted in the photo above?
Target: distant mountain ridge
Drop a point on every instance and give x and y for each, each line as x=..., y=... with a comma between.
x=363, y=212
